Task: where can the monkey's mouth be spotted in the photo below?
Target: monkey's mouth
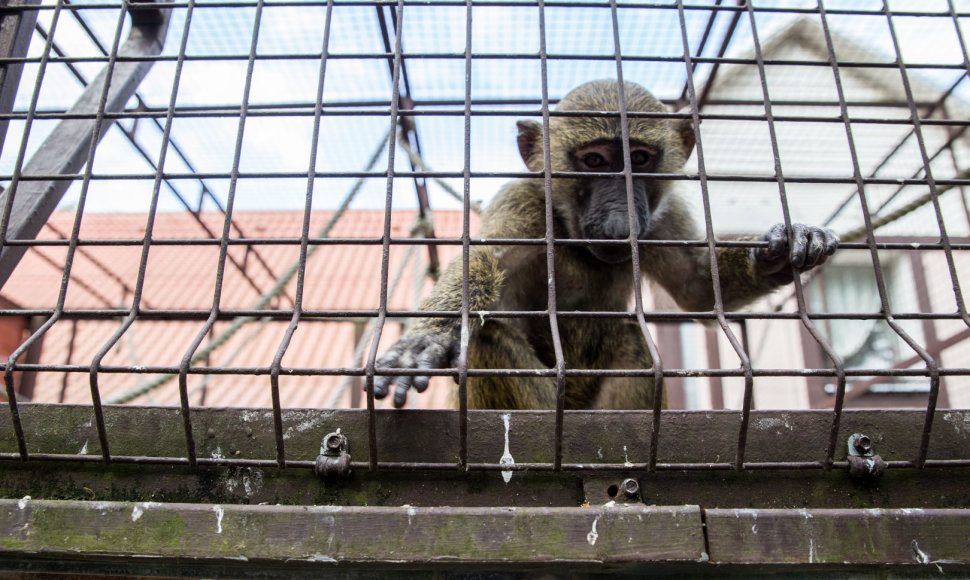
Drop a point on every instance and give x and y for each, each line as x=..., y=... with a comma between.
x=612, y=253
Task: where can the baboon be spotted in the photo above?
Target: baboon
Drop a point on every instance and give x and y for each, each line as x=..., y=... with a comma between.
x=587, y=277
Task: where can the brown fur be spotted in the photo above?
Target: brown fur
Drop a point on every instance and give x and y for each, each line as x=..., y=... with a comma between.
x=514, y=277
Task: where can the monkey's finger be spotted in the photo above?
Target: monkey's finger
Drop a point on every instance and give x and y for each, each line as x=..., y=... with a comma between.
x=401, y=391
x=831, y=241
x=382, y=383
x=380, y=386
x=431, y=358
x=815, y=254
x=799, y=245
x=777, y=240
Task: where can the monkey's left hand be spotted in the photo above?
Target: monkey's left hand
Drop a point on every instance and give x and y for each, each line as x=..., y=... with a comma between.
x=418, y=351
x=809, y=247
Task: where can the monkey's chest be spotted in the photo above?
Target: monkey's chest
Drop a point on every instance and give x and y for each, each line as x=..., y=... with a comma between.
x=581, y=283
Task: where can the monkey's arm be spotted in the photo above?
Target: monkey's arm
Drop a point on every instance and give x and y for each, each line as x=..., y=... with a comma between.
x=433, y=343
x=745, y=273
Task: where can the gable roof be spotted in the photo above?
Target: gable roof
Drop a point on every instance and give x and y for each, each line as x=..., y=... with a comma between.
x=182, y=278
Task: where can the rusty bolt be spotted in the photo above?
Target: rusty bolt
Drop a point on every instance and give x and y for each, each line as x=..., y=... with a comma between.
x=335, y=442
x=863, y=444
x=630, y=488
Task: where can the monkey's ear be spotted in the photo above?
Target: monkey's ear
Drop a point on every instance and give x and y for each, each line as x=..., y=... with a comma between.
x=529, y=139
x=685, y=129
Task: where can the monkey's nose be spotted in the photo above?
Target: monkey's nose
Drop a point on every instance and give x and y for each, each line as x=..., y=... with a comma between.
x=617, y=227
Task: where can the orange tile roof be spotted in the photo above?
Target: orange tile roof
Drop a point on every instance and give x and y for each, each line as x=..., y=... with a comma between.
x=182, y=277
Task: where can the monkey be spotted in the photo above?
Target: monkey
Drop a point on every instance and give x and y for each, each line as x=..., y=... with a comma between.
x=591, y=277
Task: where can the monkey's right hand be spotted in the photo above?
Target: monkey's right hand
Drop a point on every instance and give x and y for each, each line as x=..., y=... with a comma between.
x=418, y=351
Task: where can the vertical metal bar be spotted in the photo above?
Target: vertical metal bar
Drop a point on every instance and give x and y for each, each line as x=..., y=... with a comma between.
x=786, y=213
x=16, y=26
x=550, y=242
x=386, y=241
x=409, y=134
x=91, y=141
x=304, y=242
x=712, y=249
x=465, y=250
x=944, y=240
x=702, y=45
x=728, y=37
x=4, y=221
x=223, y=246
x=136, y=299
x=956, y=132
x=658, y=374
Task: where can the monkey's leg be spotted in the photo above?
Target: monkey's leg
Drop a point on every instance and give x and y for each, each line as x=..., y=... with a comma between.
x=630, y=352
x=498, y=345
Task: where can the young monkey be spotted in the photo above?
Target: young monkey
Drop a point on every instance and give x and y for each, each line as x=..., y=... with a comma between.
x=587, y=278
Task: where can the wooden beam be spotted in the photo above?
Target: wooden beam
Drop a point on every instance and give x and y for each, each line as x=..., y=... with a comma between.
x=326, y=536
x=65, y=151
x=842, y=537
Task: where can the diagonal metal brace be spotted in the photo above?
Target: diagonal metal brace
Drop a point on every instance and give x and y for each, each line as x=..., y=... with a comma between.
x=65, y=151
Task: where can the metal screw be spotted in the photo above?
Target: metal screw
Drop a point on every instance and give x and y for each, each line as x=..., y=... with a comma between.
x=630, y=487
x=334, y=442
x=863, y=444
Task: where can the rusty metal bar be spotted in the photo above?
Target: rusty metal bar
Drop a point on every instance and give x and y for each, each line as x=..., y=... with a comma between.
x=931, y=363
x=711, y=248
x=223, y=253
x=683, y=101
x=560, y=367
x=808, y=324
x=304, y=243
x=657, y=368
x=146, y=247
x=464, y=335
x=386, y=239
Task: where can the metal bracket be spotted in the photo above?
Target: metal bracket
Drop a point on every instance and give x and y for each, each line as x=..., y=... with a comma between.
x=334, y=460
x=863, y=462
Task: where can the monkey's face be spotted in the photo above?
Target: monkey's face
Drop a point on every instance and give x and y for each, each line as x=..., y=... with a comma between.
x=603, y=209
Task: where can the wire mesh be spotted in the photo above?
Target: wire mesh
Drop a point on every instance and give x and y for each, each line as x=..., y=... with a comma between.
x=240, y=232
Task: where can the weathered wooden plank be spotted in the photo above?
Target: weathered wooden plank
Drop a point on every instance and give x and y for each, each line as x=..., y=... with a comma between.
x=334, y=535
x=863, y=536
x=591, y=438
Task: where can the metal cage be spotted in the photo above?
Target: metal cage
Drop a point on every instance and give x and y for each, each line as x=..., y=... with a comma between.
x=211, y=210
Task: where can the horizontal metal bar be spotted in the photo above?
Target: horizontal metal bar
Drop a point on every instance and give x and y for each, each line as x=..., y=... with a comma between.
x=533, y=4
x=497, y=372
x=188, y=315
x=381, y=110
x=484, y=56
x=738, y=178
x=917, y=244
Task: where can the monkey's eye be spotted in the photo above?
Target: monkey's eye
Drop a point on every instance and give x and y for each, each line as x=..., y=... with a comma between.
x=639, y=157
x=593, y=160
